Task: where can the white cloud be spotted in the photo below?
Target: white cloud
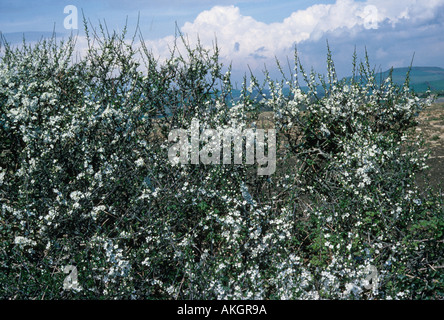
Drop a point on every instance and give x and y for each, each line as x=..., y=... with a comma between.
x=414, y=10
x=392, y=30
x=243, y=40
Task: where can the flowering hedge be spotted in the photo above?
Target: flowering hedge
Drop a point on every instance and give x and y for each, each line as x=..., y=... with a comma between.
x=85, y=181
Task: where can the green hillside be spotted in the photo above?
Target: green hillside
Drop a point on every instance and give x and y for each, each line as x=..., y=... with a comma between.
x=421, y=78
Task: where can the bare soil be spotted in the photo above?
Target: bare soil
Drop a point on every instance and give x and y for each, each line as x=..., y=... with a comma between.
x=431, y=125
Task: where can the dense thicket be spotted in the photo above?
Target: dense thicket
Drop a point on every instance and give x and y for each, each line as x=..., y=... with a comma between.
x=85, y=181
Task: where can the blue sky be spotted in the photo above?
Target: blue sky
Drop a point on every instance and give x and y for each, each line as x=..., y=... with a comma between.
x=252, y=33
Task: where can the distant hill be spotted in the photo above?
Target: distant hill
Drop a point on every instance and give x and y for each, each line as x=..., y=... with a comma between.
x=421, y=78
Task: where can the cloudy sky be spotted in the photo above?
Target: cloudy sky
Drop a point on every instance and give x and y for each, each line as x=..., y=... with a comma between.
x=252, y=33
